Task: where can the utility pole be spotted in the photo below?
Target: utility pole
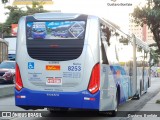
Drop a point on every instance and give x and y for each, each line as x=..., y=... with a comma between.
x=134, y=66
x=2, y=31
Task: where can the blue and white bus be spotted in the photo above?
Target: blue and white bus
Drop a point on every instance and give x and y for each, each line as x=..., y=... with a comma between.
x=82, y=62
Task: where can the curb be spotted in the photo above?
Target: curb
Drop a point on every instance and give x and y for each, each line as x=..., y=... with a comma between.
x=6, y=90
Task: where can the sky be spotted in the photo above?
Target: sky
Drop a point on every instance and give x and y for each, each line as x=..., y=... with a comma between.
x=116, y=14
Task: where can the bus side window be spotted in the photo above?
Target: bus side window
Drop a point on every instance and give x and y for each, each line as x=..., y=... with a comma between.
x=107, y=34
x=103, y=39
x=104, y=57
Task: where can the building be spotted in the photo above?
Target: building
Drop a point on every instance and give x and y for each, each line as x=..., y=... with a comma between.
x=143, y=33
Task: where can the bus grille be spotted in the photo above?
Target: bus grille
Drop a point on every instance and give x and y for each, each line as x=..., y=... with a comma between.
x=54, y=54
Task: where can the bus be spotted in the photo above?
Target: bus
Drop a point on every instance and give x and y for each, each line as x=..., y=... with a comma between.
x=3, y=50
x=96, y=67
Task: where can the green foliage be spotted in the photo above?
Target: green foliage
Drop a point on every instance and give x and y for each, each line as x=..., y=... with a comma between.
x=15, y=13
x=150, y=15
x=13, y=16
x=154, y=56
x=4, y=1
x=158, y=101
x=153, y=45
x=1, y=30
x=37, y=7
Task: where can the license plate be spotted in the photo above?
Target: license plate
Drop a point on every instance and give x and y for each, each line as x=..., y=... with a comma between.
x=54, y=81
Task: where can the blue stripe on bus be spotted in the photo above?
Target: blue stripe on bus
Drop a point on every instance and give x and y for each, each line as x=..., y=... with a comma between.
x=57, y=99
x=121, y=78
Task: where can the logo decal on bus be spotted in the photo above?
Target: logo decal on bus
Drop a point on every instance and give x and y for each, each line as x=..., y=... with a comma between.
x=76, y=30
x=53, y=67
x=30, y=65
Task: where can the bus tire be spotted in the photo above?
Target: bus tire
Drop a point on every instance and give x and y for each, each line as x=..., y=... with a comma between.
x=140, y=92
x=147, y=86
x=148, y=83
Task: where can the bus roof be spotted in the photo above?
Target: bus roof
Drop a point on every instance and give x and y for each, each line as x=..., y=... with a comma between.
x=56, y=15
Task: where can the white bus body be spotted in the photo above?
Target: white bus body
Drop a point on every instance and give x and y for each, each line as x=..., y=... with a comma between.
x=82, y=62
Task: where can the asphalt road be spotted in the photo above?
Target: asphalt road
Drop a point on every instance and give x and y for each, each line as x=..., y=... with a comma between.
x=7, y=104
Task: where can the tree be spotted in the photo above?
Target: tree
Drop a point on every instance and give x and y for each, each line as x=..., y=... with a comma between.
x=1, y=30
x=15, y=13
x=4, y=1
x=154, y=54
x=154, y=57
x=37, y=7
x=150, y=15
x=13, y=16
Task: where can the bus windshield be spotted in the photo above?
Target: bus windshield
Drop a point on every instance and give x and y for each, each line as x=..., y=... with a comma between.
x=55, y=30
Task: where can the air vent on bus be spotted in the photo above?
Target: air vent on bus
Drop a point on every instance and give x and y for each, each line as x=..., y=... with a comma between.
x=55, y=54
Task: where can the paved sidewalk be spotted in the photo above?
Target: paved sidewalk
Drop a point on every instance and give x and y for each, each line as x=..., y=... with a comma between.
x=152, y=105
x=149, y=107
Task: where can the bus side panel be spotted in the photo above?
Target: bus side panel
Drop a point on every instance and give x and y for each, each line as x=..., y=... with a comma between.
x=108, y=89
x=122, y=81
x=113, y=77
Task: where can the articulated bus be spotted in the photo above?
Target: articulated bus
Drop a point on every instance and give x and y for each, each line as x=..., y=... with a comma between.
x=82, y=62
